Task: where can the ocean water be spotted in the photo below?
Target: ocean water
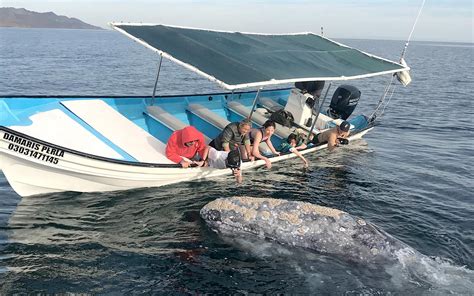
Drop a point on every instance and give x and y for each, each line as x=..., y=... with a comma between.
x=411, y=176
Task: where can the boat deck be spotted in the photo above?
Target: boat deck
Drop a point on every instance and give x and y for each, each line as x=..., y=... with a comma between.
x=133, y=129
x=124, y=128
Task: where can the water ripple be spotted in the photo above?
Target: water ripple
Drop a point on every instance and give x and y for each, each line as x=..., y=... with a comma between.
x=411, y=176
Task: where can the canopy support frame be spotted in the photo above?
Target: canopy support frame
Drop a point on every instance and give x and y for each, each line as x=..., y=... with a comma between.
x=156, y=81
x=317, y=113
x=255, y=102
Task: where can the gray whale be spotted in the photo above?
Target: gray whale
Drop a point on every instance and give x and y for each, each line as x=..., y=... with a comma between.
x=302, y=224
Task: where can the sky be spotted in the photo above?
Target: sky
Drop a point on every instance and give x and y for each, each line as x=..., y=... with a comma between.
x=441, y=20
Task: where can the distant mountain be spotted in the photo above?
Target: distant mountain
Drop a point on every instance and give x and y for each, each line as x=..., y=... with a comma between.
x=22, y=18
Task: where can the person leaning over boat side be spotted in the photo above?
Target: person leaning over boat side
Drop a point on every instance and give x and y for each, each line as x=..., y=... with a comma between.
x=334, y=136
x=293, y=144
x=226, y=159
x=186, y=147
x=235, y=135
x=263, y=134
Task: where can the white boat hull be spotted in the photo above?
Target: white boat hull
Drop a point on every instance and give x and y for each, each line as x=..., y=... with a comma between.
x=34, y=168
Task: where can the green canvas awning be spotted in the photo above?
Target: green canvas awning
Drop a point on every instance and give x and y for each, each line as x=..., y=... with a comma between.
x=239, y=60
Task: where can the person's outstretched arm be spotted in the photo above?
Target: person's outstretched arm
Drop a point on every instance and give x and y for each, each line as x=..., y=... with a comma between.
x=295, y=151
x=272, y=149
x=332, y=142
x=256, y=151
x=301, y=147
x=204, y=156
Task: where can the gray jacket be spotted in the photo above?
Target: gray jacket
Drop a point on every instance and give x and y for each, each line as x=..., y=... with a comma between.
x=231, y=135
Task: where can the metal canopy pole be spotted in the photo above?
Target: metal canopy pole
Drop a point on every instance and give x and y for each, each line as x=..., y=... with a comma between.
x=317, y=114
x=156, y=81
x=255, y=102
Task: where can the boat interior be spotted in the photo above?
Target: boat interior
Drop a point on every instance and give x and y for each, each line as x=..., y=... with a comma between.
x=136, y=129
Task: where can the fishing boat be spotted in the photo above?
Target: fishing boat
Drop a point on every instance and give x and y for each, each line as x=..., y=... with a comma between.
x=53, y=144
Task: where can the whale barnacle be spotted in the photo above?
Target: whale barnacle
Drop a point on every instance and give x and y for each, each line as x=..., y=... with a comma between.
x=214, y=215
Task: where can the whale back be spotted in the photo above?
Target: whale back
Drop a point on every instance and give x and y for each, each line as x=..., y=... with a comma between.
x=301, y=224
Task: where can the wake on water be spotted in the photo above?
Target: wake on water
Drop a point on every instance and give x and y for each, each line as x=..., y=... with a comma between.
x=412, y=272
x=439, y=275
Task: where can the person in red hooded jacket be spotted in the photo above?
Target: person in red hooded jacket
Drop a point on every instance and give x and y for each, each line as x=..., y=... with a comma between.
x=185, y=145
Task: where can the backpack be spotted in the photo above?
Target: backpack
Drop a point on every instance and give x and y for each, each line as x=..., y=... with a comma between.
x=233, y=159
x=282, y=117
x=301, y=135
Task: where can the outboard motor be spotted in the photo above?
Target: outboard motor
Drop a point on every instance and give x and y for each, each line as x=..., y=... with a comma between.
x=343, y=102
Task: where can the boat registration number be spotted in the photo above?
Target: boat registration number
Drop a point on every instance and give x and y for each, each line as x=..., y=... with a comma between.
x=32, y=149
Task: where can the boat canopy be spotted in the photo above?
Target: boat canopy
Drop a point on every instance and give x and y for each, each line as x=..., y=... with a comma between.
x=239, y=60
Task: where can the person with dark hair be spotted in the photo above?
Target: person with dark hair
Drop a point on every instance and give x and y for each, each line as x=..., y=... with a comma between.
x=226, y=159
x=293, y=144
x=263, y=134
x=334, y=137
x=234, y=135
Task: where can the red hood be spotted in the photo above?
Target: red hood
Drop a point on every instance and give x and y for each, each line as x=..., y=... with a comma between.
x=188, y=134
x=175, y=148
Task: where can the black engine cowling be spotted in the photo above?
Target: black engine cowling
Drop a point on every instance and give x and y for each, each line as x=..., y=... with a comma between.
x=343, y=102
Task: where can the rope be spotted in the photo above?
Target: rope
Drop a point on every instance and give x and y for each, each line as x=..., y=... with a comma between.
x=412, y=29
x=388, y=102
x=390, y=88
x=382, y=97
x=389, y=85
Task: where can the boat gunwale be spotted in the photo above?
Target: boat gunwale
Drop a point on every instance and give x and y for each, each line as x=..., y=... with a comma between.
x=132, y=163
